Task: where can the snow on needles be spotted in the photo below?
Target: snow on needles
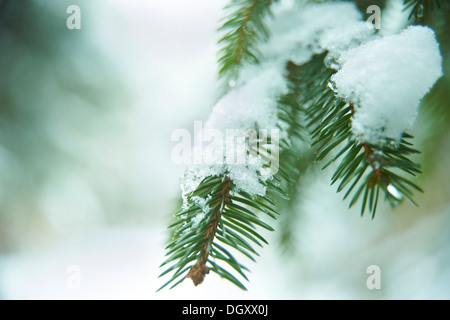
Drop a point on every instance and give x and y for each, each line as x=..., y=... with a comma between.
x=223, y=145
x=251, y=102
x=385, y=79
x=299, y=32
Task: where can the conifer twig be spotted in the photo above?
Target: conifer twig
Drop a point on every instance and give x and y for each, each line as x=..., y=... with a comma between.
x=370, y=167
x=244, y=28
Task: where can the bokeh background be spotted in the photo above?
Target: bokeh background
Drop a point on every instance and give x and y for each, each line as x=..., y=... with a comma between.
x=86, y=177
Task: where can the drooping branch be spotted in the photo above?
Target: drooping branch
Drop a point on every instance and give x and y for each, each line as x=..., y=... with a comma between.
x=229, y=215
x=365, y=164
x=220, y=214
x=215, y=218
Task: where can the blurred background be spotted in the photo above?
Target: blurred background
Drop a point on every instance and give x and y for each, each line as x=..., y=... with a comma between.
x=87, y=185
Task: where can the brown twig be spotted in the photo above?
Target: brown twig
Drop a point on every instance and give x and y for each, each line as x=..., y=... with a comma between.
x=199, y=270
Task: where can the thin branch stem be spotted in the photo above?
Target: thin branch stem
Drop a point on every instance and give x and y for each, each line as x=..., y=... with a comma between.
x=199, y=270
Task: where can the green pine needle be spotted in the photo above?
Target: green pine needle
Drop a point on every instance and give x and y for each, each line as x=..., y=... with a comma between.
x=229, y=223
x=244, y=29
x=364, y=167
x=233, y=220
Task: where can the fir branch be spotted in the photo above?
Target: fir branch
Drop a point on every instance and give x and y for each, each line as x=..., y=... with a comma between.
x=244, y=29
x=230, y=216
x=229, y=223
x=366, y=168
x=227, y=218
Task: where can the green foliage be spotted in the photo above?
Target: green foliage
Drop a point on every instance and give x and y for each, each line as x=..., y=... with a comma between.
x=202, y=245
x=244, y=29
x=365, y=168
x=207, y=236
x=197, y=247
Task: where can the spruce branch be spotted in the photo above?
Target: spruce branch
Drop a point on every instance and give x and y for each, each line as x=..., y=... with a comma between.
x=244, y=29
x=229, y=217
x=364, y=168
x=219, y=219
x=205, y=232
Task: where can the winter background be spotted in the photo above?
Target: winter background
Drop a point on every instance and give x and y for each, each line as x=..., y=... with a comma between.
x=87, y=180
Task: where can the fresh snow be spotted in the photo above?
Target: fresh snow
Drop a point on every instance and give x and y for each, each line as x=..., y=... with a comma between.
x=385, y=79
x=300, y=32
x=251, y=102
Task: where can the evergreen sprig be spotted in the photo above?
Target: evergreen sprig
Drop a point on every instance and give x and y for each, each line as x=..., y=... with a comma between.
x=244, y=29
x=366, y=168
x=230, y=216
x=229, y=221
x=219, y=220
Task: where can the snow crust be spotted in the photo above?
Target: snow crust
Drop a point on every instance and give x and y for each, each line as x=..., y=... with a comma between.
x=386, y=79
